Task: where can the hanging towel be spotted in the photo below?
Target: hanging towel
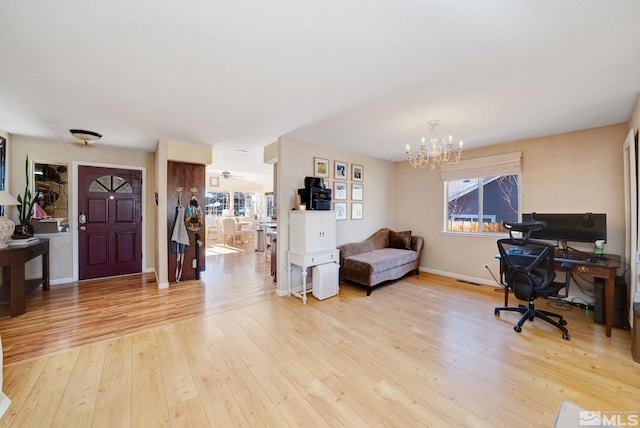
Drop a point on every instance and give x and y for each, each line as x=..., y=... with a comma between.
x=179, y=237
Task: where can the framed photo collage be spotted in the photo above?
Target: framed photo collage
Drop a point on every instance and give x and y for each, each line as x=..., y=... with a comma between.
x=347, y=189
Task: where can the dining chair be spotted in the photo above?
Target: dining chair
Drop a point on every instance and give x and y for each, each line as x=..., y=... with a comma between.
x=229, y=229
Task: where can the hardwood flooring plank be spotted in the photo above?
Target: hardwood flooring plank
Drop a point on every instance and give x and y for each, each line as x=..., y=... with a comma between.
x=78, y=402
x=254, y=402
x=184, y=405
x=329, y=380
x=221, y=406
x=18, y=382
x=113, y=402
x=295, y=410
x=299, y=373
x=149, y=407
x=43, y=402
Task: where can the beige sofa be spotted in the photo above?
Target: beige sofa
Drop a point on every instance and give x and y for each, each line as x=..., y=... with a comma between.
x=386, y=255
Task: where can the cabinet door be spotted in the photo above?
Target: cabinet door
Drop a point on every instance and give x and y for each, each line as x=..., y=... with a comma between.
x=328, y=234
x=313, y=233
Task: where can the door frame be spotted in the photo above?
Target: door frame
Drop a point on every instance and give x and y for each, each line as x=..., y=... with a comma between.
x=73, y=211
x=631, y=247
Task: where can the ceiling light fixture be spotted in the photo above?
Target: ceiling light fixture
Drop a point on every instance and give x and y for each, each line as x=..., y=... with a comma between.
x=87, y=137
x=437, y=152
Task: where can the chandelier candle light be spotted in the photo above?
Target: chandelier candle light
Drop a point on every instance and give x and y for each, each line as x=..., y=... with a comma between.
x=438, y=152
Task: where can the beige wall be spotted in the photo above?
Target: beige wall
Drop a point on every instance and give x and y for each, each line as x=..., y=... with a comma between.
x=573, y=172
x=55, y=151
x=231, y=183
x=296, y=162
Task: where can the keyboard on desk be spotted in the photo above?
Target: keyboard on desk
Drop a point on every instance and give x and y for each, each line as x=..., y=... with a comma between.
x=580, y=257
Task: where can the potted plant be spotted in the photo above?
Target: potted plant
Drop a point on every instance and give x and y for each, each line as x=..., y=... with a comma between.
x=25, y=208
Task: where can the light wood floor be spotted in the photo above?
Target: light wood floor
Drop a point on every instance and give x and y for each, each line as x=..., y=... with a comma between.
x=424, y=351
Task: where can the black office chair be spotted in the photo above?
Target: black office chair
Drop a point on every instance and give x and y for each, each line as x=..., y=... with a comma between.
x=527, y=268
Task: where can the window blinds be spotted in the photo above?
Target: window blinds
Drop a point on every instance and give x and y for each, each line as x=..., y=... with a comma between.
x=505, y=164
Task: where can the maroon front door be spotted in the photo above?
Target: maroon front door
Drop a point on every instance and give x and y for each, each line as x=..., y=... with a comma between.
x=109, y=221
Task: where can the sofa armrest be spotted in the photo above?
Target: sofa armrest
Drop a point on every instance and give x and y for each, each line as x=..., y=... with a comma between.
x=352, y=248
x=417, y=244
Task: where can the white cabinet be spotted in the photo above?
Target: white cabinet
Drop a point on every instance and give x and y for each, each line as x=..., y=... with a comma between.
x=312, y=231
x=312, y=242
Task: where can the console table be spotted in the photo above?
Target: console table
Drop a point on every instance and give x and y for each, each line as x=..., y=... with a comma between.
x=15, y=258
x=305, y=261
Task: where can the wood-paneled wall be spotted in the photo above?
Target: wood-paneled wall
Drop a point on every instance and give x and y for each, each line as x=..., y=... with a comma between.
x=185, y=175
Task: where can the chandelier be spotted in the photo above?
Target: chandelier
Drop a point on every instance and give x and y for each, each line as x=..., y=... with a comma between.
x=435, y=152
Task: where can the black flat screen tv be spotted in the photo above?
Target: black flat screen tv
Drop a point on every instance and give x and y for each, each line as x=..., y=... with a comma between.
x=584, y=227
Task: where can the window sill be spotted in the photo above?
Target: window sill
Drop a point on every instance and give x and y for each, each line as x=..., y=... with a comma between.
x=493, y=235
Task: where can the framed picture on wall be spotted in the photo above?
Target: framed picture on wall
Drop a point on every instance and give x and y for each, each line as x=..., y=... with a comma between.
x=356, y=210
x=357, y=192
x=214, y=181
x=339, y=190
x=339, y=170
x=357, y=172
x=341, y=210
x=320, y=167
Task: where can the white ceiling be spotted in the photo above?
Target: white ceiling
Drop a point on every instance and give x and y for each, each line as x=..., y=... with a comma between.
x=362, y=75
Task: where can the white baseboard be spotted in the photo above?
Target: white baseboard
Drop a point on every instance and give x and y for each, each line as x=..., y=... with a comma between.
x=282, y=293
x=472, y=279
x=60, y=281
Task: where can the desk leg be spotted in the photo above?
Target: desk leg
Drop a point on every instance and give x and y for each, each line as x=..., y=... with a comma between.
x=289, y=274
x=45, y=271
x=506, y=296
x=18, y=292
x=609, y=286
x=304, y=286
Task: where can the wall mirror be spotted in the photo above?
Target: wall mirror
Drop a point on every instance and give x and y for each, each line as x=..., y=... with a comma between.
x=51, y=185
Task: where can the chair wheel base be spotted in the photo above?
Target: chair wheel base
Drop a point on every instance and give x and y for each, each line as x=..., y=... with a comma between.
x=517, y=329
x=565, y=336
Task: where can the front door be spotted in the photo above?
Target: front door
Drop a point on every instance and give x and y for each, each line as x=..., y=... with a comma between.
x=109, y=221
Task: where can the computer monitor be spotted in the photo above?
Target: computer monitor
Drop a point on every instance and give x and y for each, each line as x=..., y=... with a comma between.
x=585, y=227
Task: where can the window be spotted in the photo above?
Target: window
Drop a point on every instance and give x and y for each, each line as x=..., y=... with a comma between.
x=482, y=193
x=243, y=203
x=270, y=210
x=216, y=202
x=110, y=183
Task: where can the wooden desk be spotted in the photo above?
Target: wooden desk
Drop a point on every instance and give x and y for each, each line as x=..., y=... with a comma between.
x=606, y=272
x=15, y=258
x=597, y=270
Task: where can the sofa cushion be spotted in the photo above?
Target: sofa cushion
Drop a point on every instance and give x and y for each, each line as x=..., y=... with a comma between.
x=400, y=240
x=379, y=260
